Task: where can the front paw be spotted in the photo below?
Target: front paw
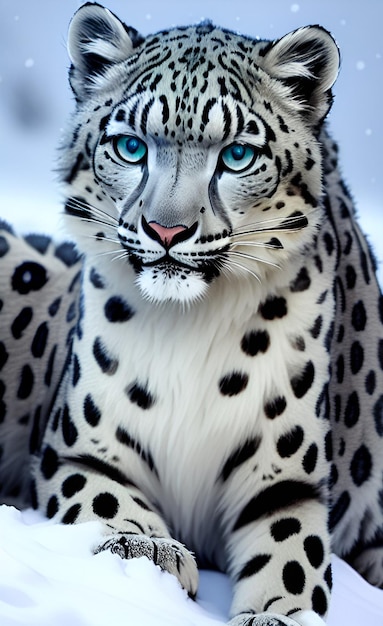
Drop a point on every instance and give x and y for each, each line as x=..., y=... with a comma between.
x=170, y=555
x=300, y=618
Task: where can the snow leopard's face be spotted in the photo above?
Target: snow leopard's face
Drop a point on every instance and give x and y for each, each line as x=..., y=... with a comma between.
x=191, y=158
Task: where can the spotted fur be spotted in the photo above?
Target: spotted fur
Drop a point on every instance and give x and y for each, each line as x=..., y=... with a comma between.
x=207, y=379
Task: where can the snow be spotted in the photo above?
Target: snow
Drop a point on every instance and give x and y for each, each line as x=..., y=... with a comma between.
x=48, y=574
x=49, y=577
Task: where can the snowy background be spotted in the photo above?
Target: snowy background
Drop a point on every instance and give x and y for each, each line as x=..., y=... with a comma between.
x=48, y=576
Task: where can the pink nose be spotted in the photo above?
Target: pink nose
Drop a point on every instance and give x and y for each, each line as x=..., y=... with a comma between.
x=165, y=234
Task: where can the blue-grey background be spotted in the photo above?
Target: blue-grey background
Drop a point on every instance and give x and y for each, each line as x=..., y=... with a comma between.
x=35, y=99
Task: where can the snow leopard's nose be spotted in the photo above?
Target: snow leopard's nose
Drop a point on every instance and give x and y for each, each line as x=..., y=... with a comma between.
x=168, y=236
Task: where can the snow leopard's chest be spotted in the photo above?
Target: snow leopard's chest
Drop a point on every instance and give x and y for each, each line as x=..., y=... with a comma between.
x=169, y=397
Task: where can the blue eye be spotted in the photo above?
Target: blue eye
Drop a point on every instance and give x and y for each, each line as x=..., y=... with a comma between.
x=237, y=157
x=130, y=149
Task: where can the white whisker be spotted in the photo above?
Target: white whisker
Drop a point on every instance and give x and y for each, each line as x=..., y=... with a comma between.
x=243, y=255
x=246, y=269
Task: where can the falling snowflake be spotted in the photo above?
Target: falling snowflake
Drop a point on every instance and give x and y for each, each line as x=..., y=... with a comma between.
x=360, y=65
x=29, y=63
x=294, y=8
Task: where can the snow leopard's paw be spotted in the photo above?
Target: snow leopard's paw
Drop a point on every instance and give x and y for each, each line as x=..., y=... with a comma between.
x=300, y=618
x=170, y=555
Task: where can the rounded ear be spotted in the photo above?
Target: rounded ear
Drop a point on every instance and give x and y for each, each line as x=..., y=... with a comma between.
x=96, y=40
x=307, y=62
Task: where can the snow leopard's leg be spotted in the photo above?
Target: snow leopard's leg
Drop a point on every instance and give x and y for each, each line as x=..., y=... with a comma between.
x=85, y=488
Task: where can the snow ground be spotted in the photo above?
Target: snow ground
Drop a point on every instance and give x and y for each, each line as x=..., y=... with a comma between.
x=48, y=575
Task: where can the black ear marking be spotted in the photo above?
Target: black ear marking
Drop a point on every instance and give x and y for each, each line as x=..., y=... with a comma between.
x=307, y=62
x=97, y=39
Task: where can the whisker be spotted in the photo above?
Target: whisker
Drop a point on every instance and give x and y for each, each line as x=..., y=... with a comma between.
x=246, y=269
x=109, y=239
x=243, y=255
x=272, y=220
x=91, y=220
x=85, y=205
x=255, y=244
x=102, y=216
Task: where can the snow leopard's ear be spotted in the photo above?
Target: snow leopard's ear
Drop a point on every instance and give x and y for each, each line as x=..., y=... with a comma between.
x=97, y=39
x=306, y=62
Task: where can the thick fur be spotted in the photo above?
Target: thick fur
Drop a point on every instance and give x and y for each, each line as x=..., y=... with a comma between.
x=220, y=386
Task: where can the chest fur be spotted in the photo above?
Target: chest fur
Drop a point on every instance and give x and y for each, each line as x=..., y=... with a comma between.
x=169, y=394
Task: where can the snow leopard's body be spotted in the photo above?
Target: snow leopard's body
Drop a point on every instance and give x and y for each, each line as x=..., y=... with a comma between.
x=218, y=345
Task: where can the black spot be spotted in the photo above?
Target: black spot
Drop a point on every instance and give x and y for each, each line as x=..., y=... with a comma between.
x=3, y=355
x=380, y=353
x=240, y=456
x=285, y=528
x=328, y=446
x=96, y=279
x=4, y=246
x=76, y=371
x=275, y=407
x=54, y=307
x=378, y=416
x=352, y=410
x=20, y=322
x=328, y=577
x=35, y=436
x=289, y=444
x=329, y=243
x=350, y=277
x=302, y=383
x=28, y=276
x=294, y=577
x=67, y=253
x=50, y=366
x=316, y=327
x=370, y=382
x=101, y=467
x=38, y=242
x=105, y=505
x=319, y=601
x=339, y=509
x=106, y=362
x=359, y=316
x=356, y=357
x=69, y=430
x=255, y=341
x=117, y=310
x=310, y=459
x=233, y=384
x=52, y=507
x=40, y=340
x=361, y=466
x=72, y=485
x=255, y=565
x=92, y=413
x=71, y=313
x=49, y=463
x=3, y=410
x=273, y=308
x=314, y=550
x=139, y=394
x=72, y=514
x=33, y=495
x=27, y=380
x=301, y=282
x=275, y=498
x=298, y=343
